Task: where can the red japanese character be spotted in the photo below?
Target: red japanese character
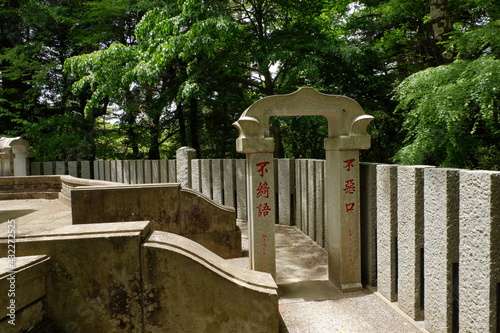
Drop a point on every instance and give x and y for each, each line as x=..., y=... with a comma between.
x=262, y=168
x=349, y=188
x=349, y=164
x=263, y=189
x=349, y=207
x=263, y=209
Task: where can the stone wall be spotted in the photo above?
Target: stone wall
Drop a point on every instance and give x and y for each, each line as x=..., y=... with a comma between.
x=167, y=206
x=120, y=277
x=30, y=187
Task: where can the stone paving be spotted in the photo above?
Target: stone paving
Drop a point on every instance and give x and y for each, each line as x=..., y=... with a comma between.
x=308, y=301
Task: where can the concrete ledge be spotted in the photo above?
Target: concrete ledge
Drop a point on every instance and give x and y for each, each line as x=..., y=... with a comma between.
x=29, y=187
x=68, y=183
x=168, y=207
x=179, y=274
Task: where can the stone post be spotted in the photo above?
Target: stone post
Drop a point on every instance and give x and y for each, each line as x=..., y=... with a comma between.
x=73, y=168
x=387, y=231
x=411, y=240
x=368, y=197
x=479, y=271
x=261, y=211
x=183, y=165
x=441, y=246
x=342, y=217
x=320, y=207
x=285, y=182
x=241, y=190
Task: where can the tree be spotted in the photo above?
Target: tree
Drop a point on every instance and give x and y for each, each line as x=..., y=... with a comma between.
x=452, y=111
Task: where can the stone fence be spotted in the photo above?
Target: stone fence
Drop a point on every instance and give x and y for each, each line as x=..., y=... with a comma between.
x=430, y=237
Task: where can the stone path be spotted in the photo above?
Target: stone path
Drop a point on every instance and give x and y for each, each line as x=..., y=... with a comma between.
x=308, y=301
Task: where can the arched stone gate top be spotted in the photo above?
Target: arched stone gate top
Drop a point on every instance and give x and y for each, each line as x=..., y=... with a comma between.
x=347, y=121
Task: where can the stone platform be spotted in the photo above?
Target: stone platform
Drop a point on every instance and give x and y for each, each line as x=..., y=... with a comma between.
x=308, y=301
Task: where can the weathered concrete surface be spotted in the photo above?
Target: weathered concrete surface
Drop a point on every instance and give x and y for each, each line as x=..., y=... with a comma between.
x=33, y=216
x=94, y=284
x=169, y=207
x=189, y=289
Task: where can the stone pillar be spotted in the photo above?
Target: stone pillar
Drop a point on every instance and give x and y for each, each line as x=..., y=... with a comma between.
x=298, y=194
x=387, y=231
x=73, y=168
x=148, y=172
x=120, y=171
x=229, y=178
x=368, y=197
x=155, y=171
x=320, y=204
x=342, y=217
x=241, y=190
x=285, y=183
x=411, y=240
x=133, y=172
x=303, y=197
x=107, y=171
x=261, y=212
x=184, y=155
x=206, y=178
x=163, y=171
x=172, y=171
x=112, y=167
x=479, y=270
x=85, y=168
x=311, y=199
x=60, y=168
x=441, y=192
x=139, y=164
x=217, y=181
x=35, y=168
x=48, y=168
x=126, y=172
x=196, y=175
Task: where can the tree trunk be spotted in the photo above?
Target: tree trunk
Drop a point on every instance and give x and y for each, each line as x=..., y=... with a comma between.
x=441, y=25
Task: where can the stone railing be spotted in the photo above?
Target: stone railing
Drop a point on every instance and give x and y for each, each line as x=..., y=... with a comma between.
x=431, y=242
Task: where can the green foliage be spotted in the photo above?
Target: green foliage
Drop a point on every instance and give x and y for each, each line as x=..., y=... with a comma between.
x=452, y=115
x=180, y=72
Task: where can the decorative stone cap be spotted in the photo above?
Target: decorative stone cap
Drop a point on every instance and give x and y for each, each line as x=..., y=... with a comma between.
x=347, y=121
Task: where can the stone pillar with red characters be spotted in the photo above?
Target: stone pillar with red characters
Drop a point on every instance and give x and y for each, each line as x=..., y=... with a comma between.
x=261, y=207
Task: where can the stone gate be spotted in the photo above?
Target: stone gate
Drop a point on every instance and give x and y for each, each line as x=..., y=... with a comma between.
x=347, y=123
